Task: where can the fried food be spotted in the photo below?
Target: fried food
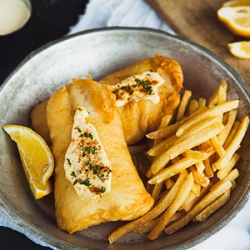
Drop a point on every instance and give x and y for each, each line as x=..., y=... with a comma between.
x=138, y=116
x=144, y=116
x=38, y=120
x=200, y=142
x=128, y=198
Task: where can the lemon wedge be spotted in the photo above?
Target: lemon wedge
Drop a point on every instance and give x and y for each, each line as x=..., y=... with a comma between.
x=240, y=49
x=236, y=17
x=36, y=158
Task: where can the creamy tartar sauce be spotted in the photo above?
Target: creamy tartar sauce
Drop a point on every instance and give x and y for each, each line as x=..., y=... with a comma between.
x=13, y=15
x=138, y=87
x=86, y=164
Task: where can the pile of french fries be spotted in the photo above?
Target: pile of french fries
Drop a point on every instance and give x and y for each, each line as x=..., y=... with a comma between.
x=193, y=164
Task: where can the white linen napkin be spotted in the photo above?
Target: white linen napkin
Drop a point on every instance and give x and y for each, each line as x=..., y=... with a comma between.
x=136, y=13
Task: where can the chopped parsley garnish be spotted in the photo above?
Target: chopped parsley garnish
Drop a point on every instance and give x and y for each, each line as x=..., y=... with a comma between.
x=96, y=169
x=68, y=160
x=125, y=87
x=103, y=189
x=147, y=87
x=87, y=135
x=89, y=150
x=100, y=177
x=137, y=80
x=86, y=182
x=88, y=162
x=73, y=174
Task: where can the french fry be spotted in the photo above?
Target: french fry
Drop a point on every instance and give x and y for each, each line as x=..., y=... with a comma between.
x=214, y=206
x=163, y=132
x=198, y=127
x=147, y=227
x=194, y=154
x=165, y=121
x=171, y=129
x=205, y=201
x=195, y=139
x=228, y=126
x=208, y=112
x=226, y=170
x=183, y=105
x=194, y=193
x=232, y=134
x=151, y=224
x=213, y=100
x=193, y=106
x=173, y=208
x=169, y=183
x=174, y=169
x=200, y=167
x=156, y=191
x=191, y=196
x=202, y=102
x=206, y=147
x=208, y=168
x=233, y=185
x=222, y=97
x=193, y=161
x=176, y=159
x=158, y=164
x=234, y=145
x=161, y=206
x=177, y=216
x=161, y=146
x=230, y=177
x=217, y=146
x=196, y=189
x=193, y=202
x=199, y=178
x=225, y=117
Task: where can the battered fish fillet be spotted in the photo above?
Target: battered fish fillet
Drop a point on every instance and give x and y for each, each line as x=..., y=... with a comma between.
x=141, y=117
x=138, y=118
x=38, y=120
x=127, y=198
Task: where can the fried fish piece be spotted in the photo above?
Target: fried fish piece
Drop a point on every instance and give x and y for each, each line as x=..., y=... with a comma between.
x=38, y=120
x=138, y=117
x=143, y=116
x=128, y=198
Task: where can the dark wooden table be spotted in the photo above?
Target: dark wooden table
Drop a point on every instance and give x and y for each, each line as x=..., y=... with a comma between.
x=50, y=20
x=197, y=21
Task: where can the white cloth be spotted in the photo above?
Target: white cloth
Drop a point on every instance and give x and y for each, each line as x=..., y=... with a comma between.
x=126, y=13
x=136, y=13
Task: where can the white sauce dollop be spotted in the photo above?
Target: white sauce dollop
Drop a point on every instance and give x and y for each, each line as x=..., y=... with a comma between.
x=13, y=15
x=86, y=164
x=138, y=87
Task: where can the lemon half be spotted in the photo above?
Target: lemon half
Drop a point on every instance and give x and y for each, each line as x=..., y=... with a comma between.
x=36, y=158
x=236, y=17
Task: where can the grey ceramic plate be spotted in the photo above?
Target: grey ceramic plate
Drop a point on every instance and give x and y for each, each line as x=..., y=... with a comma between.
x=100, y=52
